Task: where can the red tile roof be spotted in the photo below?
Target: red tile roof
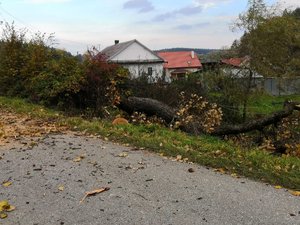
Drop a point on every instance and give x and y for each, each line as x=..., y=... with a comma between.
x=237, y=62
x=180, y=60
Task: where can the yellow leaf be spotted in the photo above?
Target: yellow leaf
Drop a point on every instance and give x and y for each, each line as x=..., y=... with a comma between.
x=3, y=215
x=178, y=157
x=61, y=188
x=235, y=175
x=295, y=193
x=221, y=170
x=123, y=154
x=78, y=158
x=11, y=208
x=4, y=205
x=7, y=183
x=277, y=187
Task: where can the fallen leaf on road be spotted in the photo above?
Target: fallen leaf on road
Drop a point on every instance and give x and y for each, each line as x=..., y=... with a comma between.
x=61, y=188
x=179, y=157
x=221, y=170
x=3, y=215
x=123, y=154
x=5, y=207
x=79, y=158
x=295, y=193
x=94, y=192
x=234, y=175
x=278, y=187
x=11, y=208
x=6, y=183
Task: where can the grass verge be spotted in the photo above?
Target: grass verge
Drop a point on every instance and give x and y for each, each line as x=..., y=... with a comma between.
x=266, y=104
x=205, y=150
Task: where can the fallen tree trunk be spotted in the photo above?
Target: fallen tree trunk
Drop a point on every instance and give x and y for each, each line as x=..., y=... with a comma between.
x=153, y=107
x=148, y=106
x=257, y=124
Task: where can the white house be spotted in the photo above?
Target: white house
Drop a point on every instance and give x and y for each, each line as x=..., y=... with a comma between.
x=137, y=58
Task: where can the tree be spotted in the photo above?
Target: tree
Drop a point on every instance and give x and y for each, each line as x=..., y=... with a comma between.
x=12, y=56
x=257, y=12
x=276, y=47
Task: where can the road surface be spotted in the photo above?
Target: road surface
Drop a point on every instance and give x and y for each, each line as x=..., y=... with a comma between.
x=50, y=178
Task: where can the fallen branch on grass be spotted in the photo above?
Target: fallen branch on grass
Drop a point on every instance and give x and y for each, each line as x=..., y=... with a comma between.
x=153, y=107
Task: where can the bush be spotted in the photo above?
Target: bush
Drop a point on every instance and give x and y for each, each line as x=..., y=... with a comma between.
x=102, y=85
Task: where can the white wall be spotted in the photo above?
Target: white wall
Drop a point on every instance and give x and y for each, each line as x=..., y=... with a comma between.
x=137, y=70
x=135, y=52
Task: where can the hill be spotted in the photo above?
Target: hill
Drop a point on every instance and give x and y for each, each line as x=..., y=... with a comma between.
x=199, y=51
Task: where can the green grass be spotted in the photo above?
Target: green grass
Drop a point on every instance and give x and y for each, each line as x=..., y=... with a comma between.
x=205, y=150
x=265, y=104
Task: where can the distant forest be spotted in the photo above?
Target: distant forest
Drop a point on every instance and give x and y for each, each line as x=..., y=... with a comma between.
x=199, y=51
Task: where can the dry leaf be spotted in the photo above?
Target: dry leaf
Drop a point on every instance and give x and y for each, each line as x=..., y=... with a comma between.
x=61, y=188
x=123, y=154
x=234, y=175
x=7, y=183
x=295, y=193
x=11, y=208
x=78, y=158
x=94, y=192
x=6, y=207
x=178, y=157
x=3, y=215
x=221, y=170
x=278, y=187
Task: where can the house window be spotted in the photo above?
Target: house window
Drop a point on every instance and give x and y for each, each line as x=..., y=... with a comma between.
x=150, y=71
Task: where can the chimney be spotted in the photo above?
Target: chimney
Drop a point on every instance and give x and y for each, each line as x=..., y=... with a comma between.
x=192, y=54
x=117, y=42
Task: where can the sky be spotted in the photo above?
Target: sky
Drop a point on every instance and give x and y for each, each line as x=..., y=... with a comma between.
x=80, y=24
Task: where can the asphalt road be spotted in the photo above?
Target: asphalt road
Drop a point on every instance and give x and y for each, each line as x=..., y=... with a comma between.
x=50, y=178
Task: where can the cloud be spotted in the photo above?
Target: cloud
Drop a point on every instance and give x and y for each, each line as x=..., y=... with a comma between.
x=45, y=1
x=209, y=3
x=185, y=11
x=141, y=5
x=191, y=26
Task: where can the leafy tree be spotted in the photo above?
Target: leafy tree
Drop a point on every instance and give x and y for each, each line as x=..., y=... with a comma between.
x=12, y=56
x=276, y=47
x=31, y=68
x=257, y=12
x=61, y=78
